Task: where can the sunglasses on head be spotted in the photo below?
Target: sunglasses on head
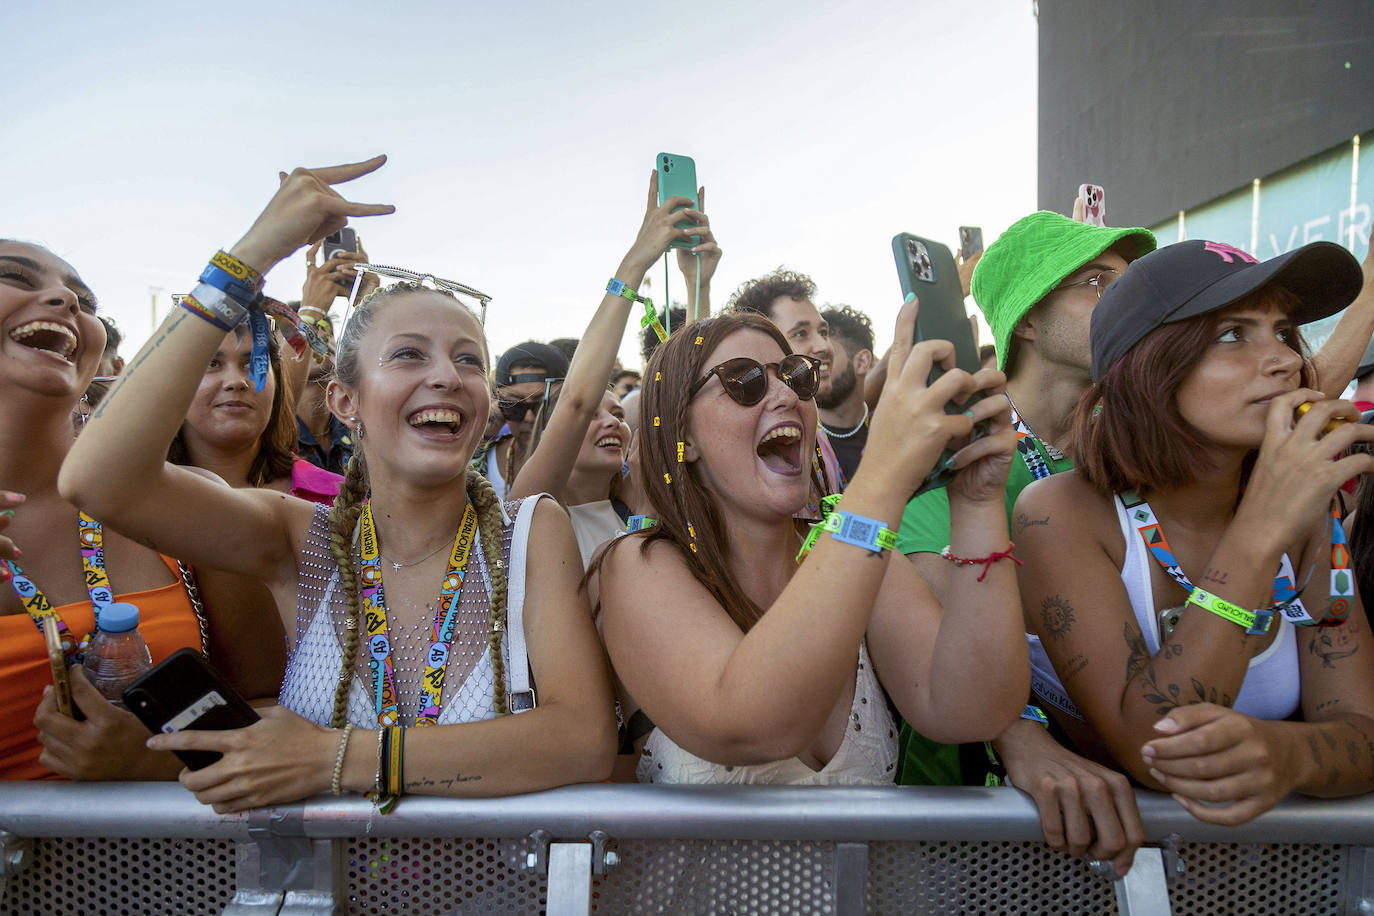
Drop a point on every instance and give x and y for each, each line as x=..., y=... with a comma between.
x=745, y=380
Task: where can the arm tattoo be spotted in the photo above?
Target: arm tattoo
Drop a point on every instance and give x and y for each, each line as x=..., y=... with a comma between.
x=1170, y=696
x=1074, y=668
x=1057, y=616
x=1352, y=752
x=1315, y=749
x=1022, y=521
x=1215, y=576
x=138, y=361
x=1331, y=648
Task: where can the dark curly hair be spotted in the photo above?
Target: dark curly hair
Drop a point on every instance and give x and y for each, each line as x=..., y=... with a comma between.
x=850, y=325
x=759, y=294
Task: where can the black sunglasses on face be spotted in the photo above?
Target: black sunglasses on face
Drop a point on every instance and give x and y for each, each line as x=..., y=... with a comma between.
x=515, y=410
x=745, y=380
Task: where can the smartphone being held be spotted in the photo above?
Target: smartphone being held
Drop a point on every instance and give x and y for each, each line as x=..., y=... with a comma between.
x=184, y=692
x=677, y=177
x=1094, y=201
x=61, y=677
x=970, y=241
x=927, y=268
x=345, y=240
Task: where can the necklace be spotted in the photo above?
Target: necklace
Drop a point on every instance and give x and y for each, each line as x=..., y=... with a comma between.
x=862, y=423
x=1035, y=453
x=395, y=565
x=445, y=621
x=91, y=541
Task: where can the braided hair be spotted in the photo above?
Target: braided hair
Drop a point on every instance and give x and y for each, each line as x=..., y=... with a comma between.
x=348, y=506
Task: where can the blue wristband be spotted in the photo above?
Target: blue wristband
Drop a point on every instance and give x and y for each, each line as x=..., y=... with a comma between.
x=639, y=522
x=241, y=291
x=868, y=533
x=1035, y=714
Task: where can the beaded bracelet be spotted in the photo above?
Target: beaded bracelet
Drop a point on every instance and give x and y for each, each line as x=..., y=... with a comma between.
x=339, y=760
x=986, y=561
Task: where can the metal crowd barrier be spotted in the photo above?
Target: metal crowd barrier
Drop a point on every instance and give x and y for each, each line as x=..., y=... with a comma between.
x=138, y=848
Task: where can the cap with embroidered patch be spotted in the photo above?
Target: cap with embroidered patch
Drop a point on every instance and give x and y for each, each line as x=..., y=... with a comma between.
x=1195, y=277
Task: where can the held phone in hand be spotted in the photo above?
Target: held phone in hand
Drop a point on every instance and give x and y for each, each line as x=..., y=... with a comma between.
x=61, y=679
x=677, y=177
x=1094, y=204
x=927, y=269
x=184, y=692
x=970, y=241
x=346, y=239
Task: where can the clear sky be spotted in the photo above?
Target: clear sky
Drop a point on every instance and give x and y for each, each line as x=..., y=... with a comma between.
x=138, y=139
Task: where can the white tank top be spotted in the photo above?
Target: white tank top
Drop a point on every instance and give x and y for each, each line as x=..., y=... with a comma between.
x=867, y=754
x=1272, y=688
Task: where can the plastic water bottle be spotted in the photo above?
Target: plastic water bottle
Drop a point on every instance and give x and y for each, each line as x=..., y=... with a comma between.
x=117, y=655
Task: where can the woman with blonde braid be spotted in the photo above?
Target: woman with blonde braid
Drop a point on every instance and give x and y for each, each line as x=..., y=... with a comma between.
x=439, y=674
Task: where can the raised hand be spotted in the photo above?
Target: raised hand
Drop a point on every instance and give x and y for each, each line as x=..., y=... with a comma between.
x=8, y=550
x=659, y=228
x=305, y=209
x=707, y=249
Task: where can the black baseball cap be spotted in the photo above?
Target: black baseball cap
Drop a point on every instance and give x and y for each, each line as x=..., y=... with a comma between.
x=530, y=353
x=1195, y=277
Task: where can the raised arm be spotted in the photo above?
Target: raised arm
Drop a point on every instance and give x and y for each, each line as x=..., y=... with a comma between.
x=548, y=468
x=1339, y=357
x=116, y=470
x=743, y=698
x=698, y=264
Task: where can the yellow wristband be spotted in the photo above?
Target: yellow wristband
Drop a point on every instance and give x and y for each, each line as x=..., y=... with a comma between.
x=1254, y=622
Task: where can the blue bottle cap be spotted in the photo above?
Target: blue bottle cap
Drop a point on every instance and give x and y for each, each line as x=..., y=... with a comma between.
x=118, y=618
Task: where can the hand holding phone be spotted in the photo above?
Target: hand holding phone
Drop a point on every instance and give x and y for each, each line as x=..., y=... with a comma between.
x=184, y=692
x=61, y=678
x=677, y=177
x=345, y=240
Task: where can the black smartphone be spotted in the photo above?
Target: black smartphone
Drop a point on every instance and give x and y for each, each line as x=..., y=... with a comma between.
x=927, y=268
x=346, y=239
x=184, y=692
x=970, y=241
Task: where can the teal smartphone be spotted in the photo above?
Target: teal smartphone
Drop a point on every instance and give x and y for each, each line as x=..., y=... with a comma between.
x=677, y=177
x=927, y=268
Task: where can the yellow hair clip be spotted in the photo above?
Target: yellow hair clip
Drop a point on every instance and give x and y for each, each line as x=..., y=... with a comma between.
x=667, y=478
x=655, y=421
x=699, y=341
x=658, y=376
x=679, y=453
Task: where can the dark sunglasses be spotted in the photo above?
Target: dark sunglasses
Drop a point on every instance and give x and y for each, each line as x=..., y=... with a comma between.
x=745, y=380
x=516, y=410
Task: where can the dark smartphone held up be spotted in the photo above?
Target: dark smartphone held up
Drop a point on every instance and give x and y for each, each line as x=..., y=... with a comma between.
x=677, y=177
x=970, y=241
x=927, y=269
x=345, y=240
x=184, y=692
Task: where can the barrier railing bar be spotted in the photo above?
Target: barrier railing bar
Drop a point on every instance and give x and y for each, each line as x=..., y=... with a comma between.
x=570, y=879
x=850, y=880
x=1144, y=891
x=831, y=814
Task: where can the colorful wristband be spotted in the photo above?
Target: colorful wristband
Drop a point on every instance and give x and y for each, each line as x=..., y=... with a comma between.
x=1256, y=623
x=1035, y=714
x=232, y=277
x=639, y=523
x=848, y=528
x=650, y=320
x=214, y=306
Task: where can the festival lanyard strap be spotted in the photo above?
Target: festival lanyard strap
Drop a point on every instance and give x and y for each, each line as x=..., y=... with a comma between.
x=1028, y=447
x=1285, y=596
x=97, y=586
x=445, y=621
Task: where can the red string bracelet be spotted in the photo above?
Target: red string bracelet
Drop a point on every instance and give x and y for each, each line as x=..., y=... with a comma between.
x=986, y=561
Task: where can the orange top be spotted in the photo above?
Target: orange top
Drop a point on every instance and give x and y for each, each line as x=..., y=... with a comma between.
x=165, y=618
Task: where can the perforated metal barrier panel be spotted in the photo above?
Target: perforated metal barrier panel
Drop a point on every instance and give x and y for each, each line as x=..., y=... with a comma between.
x=869, y=867
x=134, y=877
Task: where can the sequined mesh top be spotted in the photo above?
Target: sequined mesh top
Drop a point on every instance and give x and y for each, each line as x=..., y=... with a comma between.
x=313, y=668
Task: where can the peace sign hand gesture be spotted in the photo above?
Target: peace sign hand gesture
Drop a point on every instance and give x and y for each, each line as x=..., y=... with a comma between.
x=305, y=209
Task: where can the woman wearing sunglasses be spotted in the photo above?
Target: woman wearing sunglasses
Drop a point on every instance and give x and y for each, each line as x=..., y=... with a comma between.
x=1195, y=619
x=412, y=614
x=754, y=668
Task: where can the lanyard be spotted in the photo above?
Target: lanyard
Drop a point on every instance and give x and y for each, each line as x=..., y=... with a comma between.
x=97, y=586
x=1284, y=597
x=1030, y=448
x=445, y=621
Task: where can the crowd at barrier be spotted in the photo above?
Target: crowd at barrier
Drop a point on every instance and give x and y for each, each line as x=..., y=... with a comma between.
x=1121, y=548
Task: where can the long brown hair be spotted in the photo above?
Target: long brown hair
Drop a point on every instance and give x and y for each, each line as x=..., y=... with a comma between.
x=1128, y=433
x=686, y=514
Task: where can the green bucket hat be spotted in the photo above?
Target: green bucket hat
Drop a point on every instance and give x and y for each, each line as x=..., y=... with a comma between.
x=1031, y=258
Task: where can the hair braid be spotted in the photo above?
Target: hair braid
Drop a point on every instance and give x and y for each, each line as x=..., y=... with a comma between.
x=343, y=517
x=489, y=525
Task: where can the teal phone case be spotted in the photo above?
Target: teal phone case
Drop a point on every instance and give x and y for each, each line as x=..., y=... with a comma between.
x=677, y=177
x=927, y=269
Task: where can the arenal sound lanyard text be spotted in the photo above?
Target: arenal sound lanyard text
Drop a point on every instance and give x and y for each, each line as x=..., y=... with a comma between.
x=97, y=586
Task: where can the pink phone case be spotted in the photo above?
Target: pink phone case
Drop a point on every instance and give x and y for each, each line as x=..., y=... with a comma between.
x=1094, y=204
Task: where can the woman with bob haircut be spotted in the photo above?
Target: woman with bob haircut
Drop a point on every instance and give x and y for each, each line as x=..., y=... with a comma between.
x=412, y=613
x=756, y=669
x=1188, y=588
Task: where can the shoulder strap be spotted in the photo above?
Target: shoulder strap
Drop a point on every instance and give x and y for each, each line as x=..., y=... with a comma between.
x=521, y=694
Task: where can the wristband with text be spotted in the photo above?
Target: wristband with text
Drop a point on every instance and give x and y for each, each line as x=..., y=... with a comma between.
x=232, y=277
x=650, y=320
x=215, y=306
x=1255, y=622
x=639, y=523
x=848, y=528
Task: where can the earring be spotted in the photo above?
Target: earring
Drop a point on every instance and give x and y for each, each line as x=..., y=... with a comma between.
x=84, y=410
x=358, y=429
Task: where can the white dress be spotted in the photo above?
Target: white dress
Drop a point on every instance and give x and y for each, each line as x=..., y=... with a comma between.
x=867, y=756
x=313, y=667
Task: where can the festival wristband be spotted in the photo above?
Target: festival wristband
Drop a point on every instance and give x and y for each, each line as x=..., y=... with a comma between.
x=232, y=277
x=848, y=528
x=1036, y=714
x=1255, y=622
x=214, y=306
x=650, y=320
x=639, y=523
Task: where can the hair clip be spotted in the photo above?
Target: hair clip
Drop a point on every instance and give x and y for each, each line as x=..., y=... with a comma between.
x=655, y=421
x=679, y=452
x=658, y=376
x=699, y=341
x=667, y=478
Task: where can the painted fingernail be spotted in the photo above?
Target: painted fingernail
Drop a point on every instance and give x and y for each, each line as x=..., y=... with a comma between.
x=12, y=496
x=969, y=414
x=1156, y=775
x=1147, y=754
x=1166, y=725
x=9, y=512
x=18, y=553
x=5, y=574
x=909, y=297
